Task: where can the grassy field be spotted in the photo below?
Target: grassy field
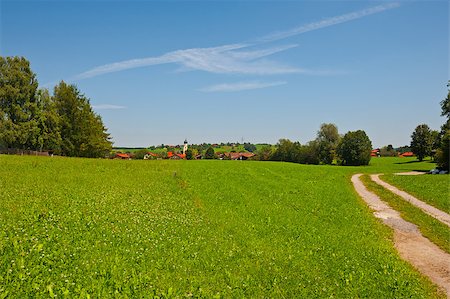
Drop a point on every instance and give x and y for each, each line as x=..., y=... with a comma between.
x=110, y=228
x=433, y=189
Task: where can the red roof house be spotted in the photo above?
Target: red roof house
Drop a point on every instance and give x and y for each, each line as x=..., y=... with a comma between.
x=122, y=156
x=407, y=154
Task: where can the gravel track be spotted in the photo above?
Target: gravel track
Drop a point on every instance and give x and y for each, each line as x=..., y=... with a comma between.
x=424, y=255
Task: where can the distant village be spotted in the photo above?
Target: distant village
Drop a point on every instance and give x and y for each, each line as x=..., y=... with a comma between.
x=223, y=151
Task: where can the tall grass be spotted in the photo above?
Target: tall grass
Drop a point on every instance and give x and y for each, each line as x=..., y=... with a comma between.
x=102, y=228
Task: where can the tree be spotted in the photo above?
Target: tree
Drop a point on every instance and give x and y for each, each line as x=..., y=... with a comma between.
x=209, y=154
x=82, y=131
x=49, y=123
x=388, y=151
x=354, y=148
x=286, y=151
x=443, y=152
x=18, y=103
x=265, y=153
x=327, y=139
x=421, y=141
x=249, y=147
x=189, y=154
x=309, y=153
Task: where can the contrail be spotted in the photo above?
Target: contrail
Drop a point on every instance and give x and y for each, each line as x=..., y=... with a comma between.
x=327, y=22
x=230, y=58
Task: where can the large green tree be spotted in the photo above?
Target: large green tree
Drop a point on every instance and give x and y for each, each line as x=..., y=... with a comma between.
x=82, y=131
x=327, y=140
x=49, y=124
x=354, y=148
x=18, y=104
x=421, y=141
x=443, y=152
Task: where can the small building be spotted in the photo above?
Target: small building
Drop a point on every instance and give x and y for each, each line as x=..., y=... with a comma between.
x=239, y=156
x=122, y=156
x=375, y=152
x=407, y=154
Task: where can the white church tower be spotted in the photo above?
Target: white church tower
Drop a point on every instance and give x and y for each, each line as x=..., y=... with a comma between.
x=185, y=147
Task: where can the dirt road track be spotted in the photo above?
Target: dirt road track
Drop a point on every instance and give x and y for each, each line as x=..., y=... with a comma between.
x=430, y=210
x=425, y=256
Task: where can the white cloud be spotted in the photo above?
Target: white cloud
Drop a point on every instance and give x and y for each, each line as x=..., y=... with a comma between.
x=218, y=60
x=328, y=22
x=107, y=107
x=231, y=58
x=238, y=86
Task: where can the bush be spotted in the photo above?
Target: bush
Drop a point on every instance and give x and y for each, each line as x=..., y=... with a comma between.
x=354, y=149
x=139, y=155
x=209, y=154
x=189, y=154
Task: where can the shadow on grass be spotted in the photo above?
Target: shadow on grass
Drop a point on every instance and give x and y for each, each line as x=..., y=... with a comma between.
x=415, y=161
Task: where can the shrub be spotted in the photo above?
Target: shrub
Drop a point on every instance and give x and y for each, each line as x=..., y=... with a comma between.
x=209, y=154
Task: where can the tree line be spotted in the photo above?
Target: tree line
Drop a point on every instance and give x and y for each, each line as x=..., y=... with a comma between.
x=426, y=142
x=32, y=119
x=353, y=148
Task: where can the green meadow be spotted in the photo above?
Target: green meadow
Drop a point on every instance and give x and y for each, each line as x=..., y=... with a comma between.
x=433, y=189
x=90, y=228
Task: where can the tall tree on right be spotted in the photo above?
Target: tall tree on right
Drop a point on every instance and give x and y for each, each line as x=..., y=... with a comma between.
x=443, y=152
x=421, y=141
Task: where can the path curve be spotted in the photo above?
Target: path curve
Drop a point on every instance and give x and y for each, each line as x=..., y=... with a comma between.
x=425, y=256
x=430, y=210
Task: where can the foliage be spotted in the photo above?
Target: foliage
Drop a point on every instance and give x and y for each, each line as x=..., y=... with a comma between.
x=309, y=153
x=421, y=141
x=19, y=108
x=32, y=119
x=388, y=151
x=327, y=139
x=75, y=228
x=139, y=154
x=49, y=123
x=209, y=154
x=82, y=131
x=249, y=147
x=403, y=149
x=286, y=151
x=189, y=154
x=354, y=148
x=443, y=152
x=265, y=153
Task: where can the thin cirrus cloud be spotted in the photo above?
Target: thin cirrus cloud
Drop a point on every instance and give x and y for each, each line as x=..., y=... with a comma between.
x=236, y=58
x=219, y=60
x=328, y=22
x=238, y=86
x=108, y=107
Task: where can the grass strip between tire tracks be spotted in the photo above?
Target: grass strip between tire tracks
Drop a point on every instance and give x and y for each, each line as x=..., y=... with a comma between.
x=431, y=228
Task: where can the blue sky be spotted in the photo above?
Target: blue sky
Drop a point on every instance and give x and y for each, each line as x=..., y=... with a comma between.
x=218, y=71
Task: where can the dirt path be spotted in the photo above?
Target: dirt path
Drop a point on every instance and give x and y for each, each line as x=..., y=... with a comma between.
x=430, y=210
x=425, y=256
x=410, y=173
